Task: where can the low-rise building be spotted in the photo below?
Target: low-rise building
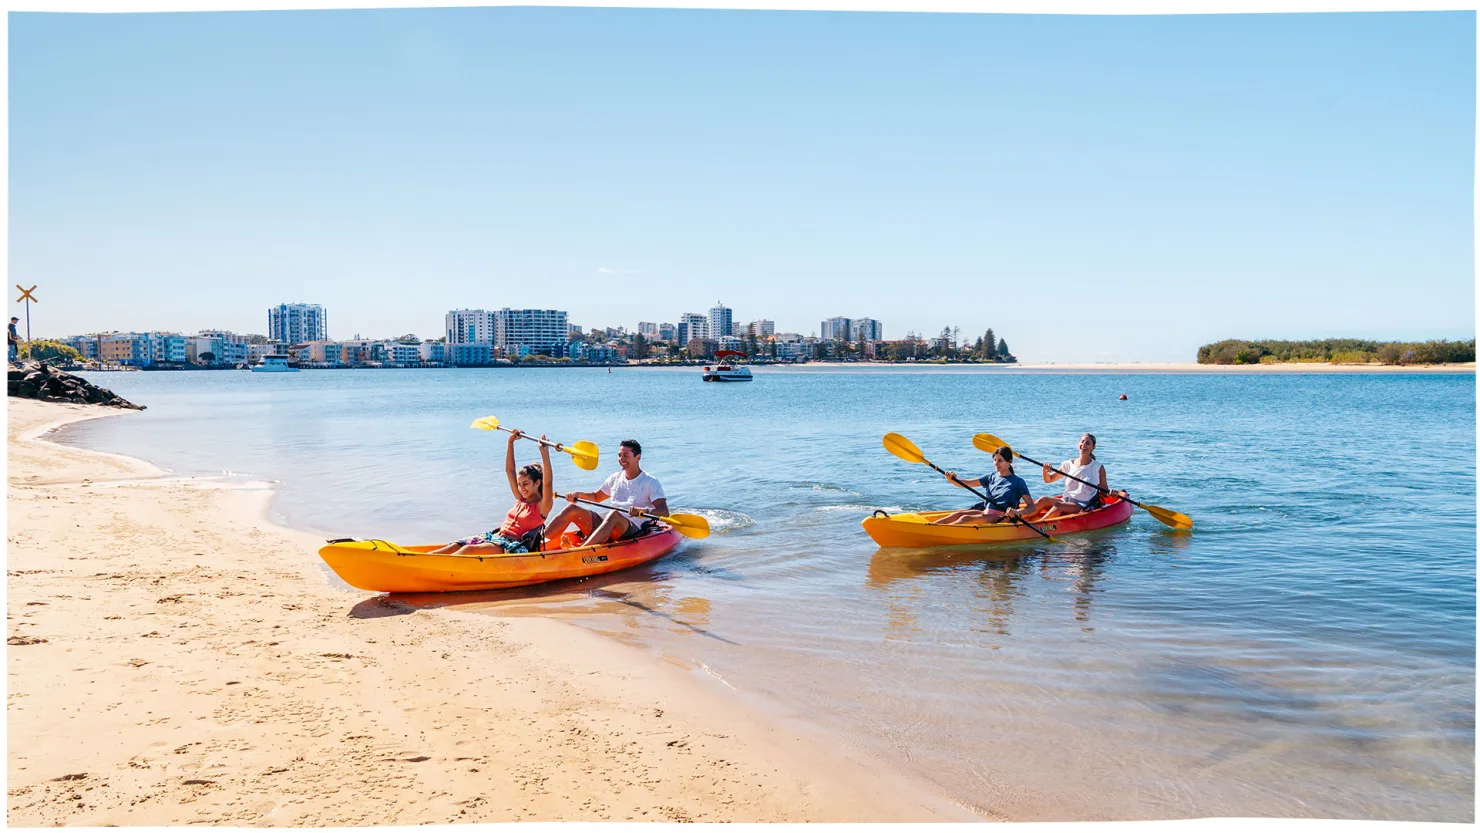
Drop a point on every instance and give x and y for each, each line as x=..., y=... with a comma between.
x=702, y=348
x=86, y=345
x=470, y=355
x=124, y=348
x=433, y=352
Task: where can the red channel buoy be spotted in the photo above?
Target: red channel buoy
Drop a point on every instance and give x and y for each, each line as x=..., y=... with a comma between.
x=1123, y=397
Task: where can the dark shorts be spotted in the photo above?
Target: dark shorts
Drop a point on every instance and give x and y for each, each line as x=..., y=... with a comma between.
x=497, y=538
x=981, y=506
x=1083, y=504
x=636, y=528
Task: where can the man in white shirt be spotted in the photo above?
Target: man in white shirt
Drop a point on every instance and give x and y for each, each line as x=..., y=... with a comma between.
x=630, y=488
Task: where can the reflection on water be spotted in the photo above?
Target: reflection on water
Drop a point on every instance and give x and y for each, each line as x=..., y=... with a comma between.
x=1076, y=561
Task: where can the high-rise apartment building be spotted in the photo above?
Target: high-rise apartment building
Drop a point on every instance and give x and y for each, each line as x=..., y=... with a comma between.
x=867, y=329
x=721, y=320
x=836, y=329
x=764, y=328
x=297, y=323
x=531, y=330
x=472, y=326
x=692, y=325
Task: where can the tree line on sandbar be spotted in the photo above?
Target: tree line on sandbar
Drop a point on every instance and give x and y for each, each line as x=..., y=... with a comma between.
x=1336, y=350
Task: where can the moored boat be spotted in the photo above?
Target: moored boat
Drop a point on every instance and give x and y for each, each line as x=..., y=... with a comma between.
x=727, y=371
x=274, y=364
x=384, y=567
x=916, y=530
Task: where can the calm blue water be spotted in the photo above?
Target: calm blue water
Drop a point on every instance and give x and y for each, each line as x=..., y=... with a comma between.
x=1308, y=651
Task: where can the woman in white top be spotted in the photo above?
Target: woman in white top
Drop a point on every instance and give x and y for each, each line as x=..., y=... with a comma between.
x=1077, y=497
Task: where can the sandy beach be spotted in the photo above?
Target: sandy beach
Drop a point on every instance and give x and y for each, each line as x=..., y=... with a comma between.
x=176, y=659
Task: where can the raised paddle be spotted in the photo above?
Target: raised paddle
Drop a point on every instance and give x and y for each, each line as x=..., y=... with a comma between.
x=689, y=526
x=905, y=450
x=583, y=453
x=1175, y=520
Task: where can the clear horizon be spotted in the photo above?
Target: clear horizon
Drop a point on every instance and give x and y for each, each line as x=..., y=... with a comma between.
x=1091, y=188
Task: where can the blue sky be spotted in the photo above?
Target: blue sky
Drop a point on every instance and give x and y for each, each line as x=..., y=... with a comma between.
x=1092, y=188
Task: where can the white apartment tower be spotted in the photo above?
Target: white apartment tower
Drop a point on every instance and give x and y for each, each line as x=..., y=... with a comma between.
x=721, y=320
x=764, y=328
x=692, y=325
x=836, y=329
x=297, y=323
x=537, y=329
x=867, y=329
x=472, y=326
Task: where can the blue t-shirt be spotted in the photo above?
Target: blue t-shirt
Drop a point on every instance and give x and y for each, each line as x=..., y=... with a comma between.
x=1003, y=493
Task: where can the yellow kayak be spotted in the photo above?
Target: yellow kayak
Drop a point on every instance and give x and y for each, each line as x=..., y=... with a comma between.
x=916, y=530
x=388, y=568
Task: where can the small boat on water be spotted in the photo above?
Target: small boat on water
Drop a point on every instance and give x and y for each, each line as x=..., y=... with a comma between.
x=727, y=371
x=913, y=529
x=274, y=364
x=383, y=567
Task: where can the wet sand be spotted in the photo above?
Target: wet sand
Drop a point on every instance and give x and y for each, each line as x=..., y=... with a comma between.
x=176, y=659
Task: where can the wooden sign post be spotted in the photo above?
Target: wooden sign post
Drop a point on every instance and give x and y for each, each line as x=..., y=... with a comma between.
x=28, y=298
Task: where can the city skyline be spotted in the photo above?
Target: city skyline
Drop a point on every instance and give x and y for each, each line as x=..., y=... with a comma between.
x=1170, y=181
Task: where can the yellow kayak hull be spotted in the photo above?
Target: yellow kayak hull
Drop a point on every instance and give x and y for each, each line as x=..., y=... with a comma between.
x=916, y=529
x=384, y=567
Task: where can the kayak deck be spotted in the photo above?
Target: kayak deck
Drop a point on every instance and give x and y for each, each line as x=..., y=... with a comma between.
x=383, y=567
x=916, y=530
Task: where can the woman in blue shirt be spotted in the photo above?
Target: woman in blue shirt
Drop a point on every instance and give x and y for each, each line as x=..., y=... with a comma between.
x=1007, y=494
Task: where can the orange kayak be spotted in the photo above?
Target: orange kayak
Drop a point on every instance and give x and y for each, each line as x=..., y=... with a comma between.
x=916, y=530
x=387, y=568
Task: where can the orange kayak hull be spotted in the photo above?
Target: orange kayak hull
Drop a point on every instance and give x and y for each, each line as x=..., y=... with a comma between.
x=915, y=530
x=383, y=567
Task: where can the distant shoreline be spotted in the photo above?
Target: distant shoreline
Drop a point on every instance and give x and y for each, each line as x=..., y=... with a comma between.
x=1142, y=367
x=956, y=367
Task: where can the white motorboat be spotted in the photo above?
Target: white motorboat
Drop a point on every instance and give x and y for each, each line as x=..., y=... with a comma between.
x=274, y=364
x=727, y=371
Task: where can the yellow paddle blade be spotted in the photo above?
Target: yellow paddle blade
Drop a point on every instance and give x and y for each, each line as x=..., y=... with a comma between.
x=584, y=454
x=990, y=443
x=488, y=423
x=690, y=526
x=902, y=448
x=1175, y=520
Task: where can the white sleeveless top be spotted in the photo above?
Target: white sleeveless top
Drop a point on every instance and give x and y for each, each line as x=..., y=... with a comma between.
x=1091, y=472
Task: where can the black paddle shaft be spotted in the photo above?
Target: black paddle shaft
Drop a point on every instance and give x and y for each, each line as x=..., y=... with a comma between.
x=986, y=501
x=628, y=512
x=1094, y=486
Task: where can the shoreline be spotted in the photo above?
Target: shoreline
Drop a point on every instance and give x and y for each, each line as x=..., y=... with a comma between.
x=928, y=367
x=1150, y=367
x=176, y=658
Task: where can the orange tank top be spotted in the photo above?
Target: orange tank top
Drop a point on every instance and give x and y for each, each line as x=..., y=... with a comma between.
x=523, y=517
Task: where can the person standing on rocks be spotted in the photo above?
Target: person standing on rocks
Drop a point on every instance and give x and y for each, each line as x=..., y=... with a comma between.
x=13, y=340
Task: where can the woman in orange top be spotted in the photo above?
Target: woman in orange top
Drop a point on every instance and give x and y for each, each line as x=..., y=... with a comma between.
x=534, y=494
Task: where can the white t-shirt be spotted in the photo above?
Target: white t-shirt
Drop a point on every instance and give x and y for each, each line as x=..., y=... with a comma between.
x=640, y=492
x=1091, y=472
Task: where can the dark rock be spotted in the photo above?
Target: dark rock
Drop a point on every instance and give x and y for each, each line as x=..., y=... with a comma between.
x=35, y=380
